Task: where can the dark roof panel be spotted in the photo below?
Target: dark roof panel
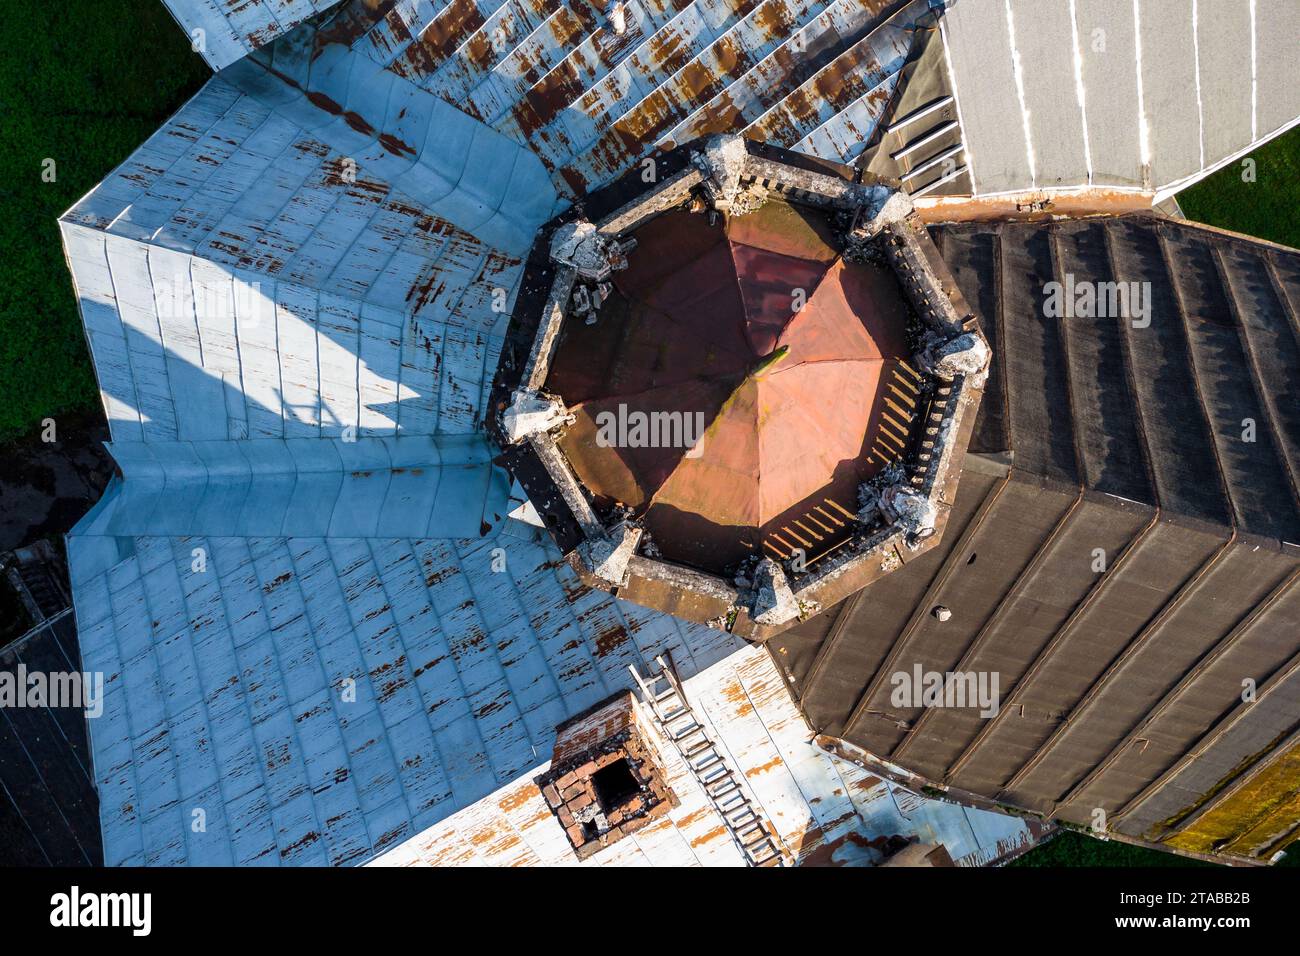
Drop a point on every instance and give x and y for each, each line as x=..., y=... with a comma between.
x=1120, y=603
x=48, y=807
x=1184, y=402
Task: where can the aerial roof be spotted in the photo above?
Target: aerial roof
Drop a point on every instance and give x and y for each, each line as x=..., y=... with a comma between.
x=774, y=351
x=805, y=454
x=297, y=293
x=1121, y=553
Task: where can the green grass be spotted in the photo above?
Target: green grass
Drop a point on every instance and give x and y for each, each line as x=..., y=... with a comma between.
x=82, y=82
x=1078, y=849
x=1265, y=208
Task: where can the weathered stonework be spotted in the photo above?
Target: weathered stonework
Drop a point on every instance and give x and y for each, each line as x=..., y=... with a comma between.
x=610, y=550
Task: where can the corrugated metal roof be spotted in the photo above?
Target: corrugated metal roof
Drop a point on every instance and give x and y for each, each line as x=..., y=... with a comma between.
x=313, y=246
x=590, y=102
x=235, y=281
x=227, y=689
x=1094, y=93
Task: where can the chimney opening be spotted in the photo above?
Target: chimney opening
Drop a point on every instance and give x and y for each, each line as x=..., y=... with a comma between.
x=615, y=784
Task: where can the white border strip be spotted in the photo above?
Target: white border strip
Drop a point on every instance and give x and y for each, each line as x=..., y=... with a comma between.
x=1018, y=73
x=1079, y=91
x=1144, y=134
x=952, y=85
x=1196, y=57
x=1254, y=77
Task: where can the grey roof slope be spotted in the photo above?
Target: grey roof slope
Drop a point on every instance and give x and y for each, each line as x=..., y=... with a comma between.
x=1125, y=445
x=446, y=487
x=808, y=74
x=228, y=689
x=236, y=280
x=1144, y=95
x=443, y=159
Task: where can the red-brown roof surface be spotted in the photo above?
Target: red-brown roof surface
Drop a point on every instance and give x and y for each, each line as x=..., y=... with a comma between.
x=703, y=321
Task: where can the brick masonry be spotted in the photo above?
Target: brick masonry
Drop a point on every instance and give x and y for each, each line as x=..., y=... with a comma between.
x=612, y=731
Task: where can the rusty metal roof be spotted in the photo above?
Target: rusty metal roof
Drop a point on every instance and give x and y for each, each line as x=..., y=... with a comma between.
x=237, y=280
x=758, y=328
x=1121, y=682
x=326, y=243
x=323, y=699
x=806, y=74
x=223, y=31
x=343, y=700
x=826, y=811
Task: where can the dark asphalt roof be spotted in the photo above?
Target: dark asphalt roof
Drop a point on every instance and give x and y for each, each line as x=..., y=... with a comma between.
x=1126, y=453
x=49, y=814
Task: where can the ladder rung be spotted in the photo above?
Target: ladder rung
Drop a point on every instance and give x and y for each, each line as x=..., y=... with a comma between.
x=693, y=728
x=730, y=797
x=729, y=785
x=746, y=823
x=738, y=805
x=719, y=771
x=740, y=815
x=713, y=759
x=698, y=748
